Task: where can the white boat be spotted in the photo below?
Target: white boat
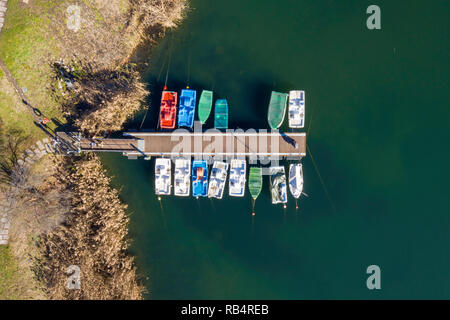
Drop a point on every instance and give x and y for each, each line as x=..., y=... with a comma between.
x=217, y=179
x=296, y=109
x=182, y=177
x=278, y=185
x=296, y=179
x=238, y=171
x=162, y=176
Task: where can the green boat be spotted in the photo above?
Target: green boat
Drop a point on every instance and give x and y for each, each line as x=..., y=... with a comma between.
x=255, y=181
x=204, y=105
x=221, y=114
x=277, y=109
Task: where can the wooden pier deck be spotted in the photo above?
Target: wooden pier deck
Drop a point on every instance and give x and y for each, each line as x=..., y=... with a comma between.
x=192, y=144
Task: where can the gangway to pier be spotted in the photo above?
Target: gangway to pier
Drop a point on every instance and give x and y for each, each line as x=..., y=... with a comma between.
x=182, y=143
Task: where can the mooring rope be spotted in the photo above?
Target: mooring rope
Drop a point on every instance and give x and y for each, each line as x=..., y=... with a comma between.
x=310, y=120
x=163, y=214
x=143, y=119
x=316, y=166
x=320, y=178
x=212, y=205
x=189, y=67
x=253, y=224
x=161, y=69
x=170, y=59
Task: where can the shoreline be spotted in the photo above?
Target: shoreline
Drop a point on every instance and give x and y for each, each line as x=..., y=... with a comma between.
x=46, y=234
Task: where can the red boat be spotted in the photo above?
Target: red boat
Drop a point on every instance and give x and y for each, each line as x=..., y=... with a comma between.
x=168, y=112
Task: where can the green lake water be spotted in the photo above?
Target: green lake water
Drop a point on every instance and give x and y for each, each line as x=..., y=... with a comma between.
x=377, y=112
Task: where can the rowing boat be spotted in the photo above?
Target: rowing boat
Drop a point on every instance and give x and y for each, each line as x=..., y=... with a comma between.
x=221, y=114
x=255, y=181
x=277, y=109
x=205, y=105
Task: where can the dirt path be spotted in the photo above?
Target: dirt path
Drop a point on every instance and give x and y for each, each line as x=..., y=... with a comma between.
x=19, y=91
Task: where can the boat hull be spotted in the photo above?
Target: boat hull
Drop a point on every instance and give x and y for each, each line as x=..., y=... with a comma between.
x=237, y=179
x=186, y=109
x=296, y=180
x=277, y=109
x=255, y=181
x=182, y=180
x=297, y=109
x=199, y=178
x=168, y=111
x=217, y=179
x=278, y=185
x=162, y=176
x=221, y=114
x=205, y=105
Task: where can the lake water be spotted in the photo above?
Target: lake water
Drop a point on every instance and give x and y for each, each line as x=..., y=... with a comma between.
x=377, y=119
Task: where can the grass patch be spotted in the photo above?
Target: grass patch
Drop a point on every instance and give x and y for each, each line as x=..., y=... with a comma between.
x=27, y=48
x=14, y=114
x=9, y=275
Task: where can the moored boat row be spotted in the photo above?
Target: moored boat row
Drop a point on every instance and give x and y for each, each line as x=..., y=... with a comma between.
x=188, y=98
x=187, y=105
x=214, y=188
x=213, y=185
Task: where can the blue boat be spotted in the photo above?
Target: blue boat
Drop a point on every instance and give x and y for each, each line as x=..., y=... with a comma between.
x=199, y=178
x=187, y=108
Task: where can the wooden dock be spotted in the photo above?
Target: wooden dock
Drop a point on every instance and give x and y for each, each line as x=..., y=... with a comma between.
x=193, y=144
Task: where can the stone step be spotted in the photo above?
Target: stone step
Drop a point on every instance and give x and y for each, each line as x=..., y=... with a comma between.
x=39, y=154
x=40, y=145
x=49, y=148
x=29, y=152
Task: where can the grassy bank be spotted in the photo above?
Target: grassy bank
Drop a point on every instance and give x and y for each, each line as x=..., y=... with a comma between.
x=26, y=47
x=9, y=275
x=34, y=37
